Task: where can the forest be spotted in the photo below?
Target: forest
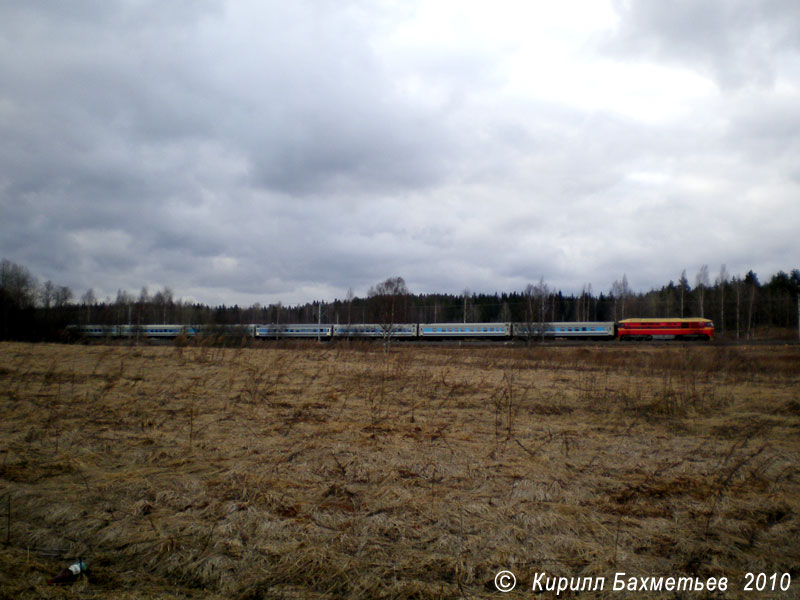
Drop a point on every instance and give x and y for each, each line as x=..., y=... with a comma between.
x=742, y=307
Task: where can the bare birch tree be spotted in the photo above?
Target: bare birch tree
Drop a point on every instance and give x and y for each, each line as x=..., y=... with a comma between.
x=722, y=280
x=389, y=298
x=701, y=283
x=47, y=294
x=737, y=288
x=530, y=312
x=542, y=295
x=616, y=292
x=751, y=281
x=505, y=313
x=620, y=291
x=124, y=306
x=587, y=311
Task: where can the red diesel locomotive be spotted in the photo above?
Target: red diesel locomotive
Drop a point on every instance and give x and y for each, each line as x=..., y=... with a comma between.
x=665, y=329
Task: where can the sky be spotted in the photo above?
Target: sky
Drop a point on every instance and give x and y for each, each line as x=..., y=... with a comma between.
x=265, y=151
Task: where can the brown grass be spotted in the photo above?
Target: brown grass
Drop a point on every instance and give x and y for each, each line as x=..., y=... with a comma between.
x=336, y=471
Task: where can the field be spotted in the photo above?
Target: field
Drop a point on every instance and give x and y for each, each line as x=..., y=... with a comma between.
x=353, y=471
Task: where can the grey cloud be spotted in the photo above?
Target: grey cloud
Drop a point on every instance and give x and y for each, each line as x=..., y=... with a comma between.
x=241, y=153
x=766, y=129
x=736, y=42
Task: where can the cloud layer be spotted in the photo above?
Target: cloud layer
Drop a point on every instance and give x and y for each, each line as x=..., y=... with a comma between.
x=243, y=152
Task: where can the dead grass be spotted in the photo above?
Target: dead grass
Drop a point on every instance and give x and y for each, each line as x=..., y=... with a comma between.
x=335, y=471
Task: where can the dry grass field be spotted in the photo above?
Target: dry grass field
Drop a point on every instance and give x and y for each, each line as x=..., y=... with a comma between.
x=346, y=471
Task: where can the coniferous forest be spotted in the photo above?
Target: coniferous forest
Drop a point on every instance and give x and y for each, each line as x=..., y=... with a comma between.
x=745, y=306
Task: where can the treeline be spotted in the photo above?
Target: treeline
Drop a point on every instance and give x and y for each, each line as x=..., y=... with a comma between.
x=741, y=306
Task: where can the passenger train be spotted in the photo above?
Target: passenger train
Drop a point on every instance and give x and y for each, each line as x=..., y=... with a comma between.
x=624, y=330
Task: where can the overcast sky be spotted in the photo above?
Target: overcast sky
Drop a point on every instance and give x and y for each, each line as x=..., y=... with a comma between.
x=261, y=151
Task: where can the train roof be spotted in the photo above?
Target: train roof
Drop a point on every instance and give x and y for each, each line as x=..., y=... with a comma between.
x=470, y=324
x=666, y=320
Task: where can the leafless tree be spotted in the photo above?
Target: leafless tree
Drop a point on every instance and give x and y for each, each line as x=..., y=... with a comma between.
x=255, y=313
x=161, y=301
x=620, y=291
x=17, y=292
x=89, y=300
x=18, y=285
x=505, y=313
x=530, y=310
x=472, y=312
x=389, y=300
x=320, y=307
x=124, y=304
x=751, y=281
x=141, y=305
x=349, y=298
x=62, y=296
x=541, y=295
x=583, y=302
x=616, y=292
x=701, y=282
x=278, y=309
x=586, y=310
x=47, y=295
x=536, y=307
x=626, y=293
x=737, y=287
x=722, y=281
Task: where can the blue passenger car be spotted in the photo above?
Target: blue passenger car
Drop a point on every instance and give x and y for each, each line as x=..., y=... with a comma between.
x=464, y=330
x=293, y=331
x=566, y=329
x=374, y=330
